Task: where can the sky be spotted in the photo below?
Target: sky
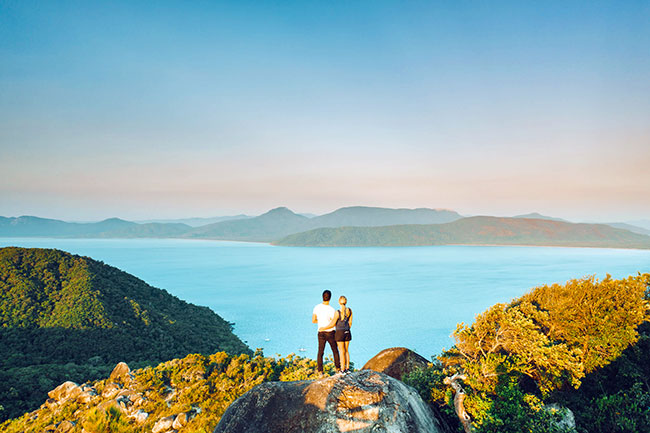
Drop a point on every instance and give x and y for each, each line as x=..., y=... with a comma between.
x=166, y=109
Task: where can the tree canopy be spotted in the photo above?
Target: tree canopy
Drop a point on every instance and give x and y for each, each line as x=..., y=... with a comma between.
x=58, y=309
x=540, y=345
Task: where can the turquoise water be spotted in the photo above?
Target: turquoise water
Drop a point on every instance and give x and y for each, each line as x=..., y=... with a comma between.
x=404, y=296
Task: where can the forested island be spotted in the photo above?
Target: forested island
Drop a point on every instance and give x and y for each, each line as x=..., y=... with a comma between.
x=480, y=230
x=581, y=347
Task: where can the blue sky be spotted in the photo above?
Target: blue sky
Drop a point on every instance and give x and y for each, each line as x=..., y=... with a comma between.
x=174, y=109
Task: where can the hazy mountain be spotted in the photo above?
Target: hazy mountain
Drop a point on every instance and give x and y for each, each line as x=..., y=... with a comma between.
x=640, y=223
x=197, y=222
x=481, y=230
x=270, y=226
x=539, y=216
x=29, y=226
x=362, y=216
x=630, y=227
x=148, y=230
x=281, y=222
x=34, y=226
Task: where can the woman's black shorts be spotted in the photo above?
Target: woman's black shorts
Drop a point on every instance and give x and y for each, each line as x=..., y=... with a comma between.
x=343, y=335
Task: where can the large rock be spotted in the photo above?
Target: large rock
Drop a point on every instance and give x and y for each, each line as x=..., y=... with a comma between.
x=65, y=426
x=120, y=372
x=180, y=421
x=364, y=401
x=140, y=416
x=396, y=362
x=163, y=424
x=111, y=390
x=65, y=391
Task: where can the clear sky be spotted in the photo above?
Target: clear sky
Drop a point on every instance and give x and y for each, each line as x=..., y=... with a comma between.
x=202, y=108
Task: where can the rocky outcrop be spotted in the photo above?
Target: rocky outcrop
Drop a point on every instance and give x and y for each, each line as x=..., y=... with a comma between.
x=121, y=372
x=363, y=401
x=70, y=391
x=396, y=362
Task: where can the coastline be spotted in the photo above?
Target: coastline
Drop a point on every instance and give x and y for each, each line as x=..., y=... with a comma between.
x=323, y=246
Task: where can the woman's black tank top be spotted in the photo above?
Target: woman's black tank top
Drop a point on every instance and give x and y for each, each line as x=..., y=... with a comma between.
x=344, y=324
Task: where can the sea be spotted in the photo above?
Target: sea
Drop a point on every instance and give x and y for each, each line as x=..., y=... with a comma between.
x=410, y=297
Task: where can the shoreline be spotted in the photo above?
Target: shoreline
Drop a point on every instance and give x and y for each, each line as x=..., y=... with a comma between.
x=321, y=246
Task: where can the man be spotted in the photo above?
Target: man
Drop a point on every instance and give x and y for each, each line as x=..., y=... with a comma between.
x=323, y=315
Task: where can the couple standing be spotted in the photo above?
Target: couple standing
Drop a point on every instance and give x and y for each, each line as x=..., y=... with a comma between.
x=333, y=328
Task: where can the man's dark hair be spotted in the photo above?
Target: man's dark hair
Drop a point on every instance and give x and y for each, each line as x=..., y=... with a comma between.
x=327, y=295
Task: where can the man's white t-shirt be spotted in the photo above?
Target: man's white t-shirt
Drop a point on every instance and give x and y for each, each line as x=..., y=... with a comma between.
x=324, y=314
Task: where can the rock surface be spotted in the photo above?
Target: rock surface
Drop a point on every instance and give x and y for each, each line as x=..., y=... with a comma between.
x=180, y=421
x=163, y=424
x=567, y=419
x=65, y=391
x=361, y=402
x=396, y=362
x=120, y=372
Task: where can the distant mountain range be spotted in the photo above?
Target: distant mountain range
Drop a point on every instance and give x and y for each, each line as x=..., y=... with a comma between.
x=480, y=230
x=357, y=225
x=197, y=222
x=640, y=223
x=625, y=226
x=281, y=222
x=30, y=226
x=630, y=227
x=268, y=227
x=538, y=216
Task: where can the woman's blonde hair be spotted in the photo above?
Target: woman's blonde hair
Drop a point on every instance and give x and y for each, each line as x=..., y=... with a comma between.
x=343, y=297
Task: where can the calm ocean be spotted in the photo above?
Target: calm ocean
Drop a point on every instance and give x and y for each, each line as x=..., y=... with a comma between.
x=404, y=296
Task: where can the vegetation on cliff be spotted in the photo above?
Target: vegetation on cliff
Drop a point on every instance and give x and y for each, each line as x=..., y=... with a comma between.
x=190, y=394
x=66, y=317
x=517, y=357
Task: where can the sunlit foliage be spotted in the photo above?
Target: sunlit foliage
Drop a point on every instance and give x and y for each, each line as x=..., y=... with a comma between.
x=539, y=345
x=202, y=385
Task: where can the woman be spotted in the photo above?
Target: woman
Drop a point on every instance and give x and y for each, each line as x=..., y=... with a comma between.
x=343, y=335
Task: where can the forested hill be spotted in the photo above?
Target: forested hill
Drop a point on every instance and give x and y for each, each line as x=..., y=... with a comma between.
x=61, y=309
x=480, y=230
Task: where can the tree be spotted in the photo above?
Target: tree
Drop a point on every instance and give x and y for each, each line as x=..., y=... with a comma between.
x=546, y=340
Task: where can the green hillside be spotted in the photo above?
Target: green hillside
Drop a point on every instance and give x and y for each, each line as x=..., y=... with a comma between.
x=480, y=230
x=60, y=312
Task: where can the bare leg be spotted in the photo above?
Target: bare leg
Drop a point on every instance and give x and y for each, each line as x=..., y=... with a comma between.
x=342, y=353
x=347, y=355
